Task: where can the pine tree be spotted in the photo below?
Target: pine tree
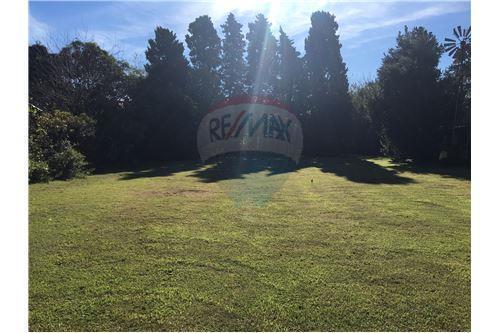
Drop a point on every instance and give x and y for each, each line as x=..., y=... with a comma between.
x=411, y=114
x=261, y=57
x=233, y=63
x=166, y=61
x=290, y=72
x=329, y=100
x=162, y=105
x=205, y=55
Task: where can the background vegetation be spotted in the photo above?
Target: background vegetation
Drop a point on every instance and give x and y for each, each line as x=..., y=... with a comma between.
x=108, y=113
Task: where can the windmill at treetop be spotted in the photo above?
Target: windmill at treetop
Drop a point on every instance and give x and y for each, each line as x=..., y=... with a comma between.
x=459, y=49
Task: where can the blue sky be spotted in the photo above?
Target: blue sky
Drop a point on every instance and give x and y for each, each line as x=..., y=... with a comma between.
x=367, y=29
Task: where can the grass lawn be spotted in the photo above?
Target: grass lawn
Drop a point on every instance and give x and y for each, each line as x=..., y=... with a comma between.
x=367, y=245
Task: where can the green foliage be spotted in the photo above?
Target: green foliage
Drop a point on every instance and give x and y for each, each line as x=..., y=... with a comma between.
x=290, y=80
x=83, y=79
x=232, y=62
x=45, y=84
x=366, y=99
x=261, y=57
x=95, y=82
x=327, y=71
x=408, y=113
x=329, y=127
x=411, y=114
x=54, y=138
x=205, y=54
x=166, y=61
x=163, y=109
x=38, y=171
x=66, y=162
x=457, y=85
x=154, y=116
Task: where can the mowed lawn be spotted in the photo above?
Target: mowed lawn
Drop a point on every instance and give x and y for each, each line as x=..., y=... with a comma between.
x=365, y=245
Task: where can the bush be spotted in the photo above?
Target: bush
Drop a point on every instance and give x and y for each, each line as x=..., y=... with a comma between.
x=38, y=171
x=67, y=163
x=54, y=140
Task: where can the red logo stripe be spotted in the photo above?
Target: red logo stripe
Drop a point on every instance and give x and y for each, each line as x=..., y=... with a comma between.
x=231, y=130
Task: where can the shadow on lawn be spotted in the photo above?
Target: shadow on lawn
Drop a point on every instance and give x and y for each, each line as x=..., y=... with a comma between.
x=238, y=166
x=355, y=169
x=450, y=171
x=163, y=171
x=358, y=170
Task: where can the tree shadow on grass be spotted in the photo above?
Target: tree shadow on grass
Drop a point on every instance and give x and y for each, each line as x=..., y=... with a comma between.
x=449, y=171
x=168, y=169
x=355, y=169
x=358, y=170
x=238, y=166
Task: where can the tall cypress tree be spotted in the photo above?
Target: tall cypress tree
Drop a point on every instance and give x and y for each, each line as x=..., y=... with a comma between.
x=261, y=57
x=290, y=76
x=166, y=61
x=329, y=101
x=233, y=63
x=412, y=115
x=162, y=106
x=205, y=55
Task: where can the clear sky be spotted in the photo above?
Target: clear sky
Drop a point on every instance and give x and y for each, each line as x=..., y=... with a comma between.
x=367, y=28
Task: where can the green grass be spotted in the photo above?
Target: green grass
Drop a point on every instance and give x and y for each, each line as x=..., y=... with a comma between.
x=368, y=245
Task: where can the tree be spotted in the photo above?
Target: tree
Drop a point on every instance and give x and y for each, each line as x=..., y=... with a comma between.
x=458, y=78
x=162, y=106
x=290, y=78
x=94, y=81
x=97, y=84
x=166, y=61
x=261, y=57
x=83, y=79
x=44, y=81
x=233, y=63
x=205, y=54
x=329, y=102
x=365, y=100
x=411, y=113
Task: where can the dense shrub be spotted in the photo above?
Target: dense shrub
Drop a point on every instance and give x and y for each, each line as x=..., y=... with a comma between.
x=54, y=139
x=38, y=171
x=67, y=163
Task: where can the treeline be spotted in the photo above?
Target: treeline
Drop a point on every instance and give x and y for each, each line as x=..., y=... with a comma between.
x=89, y=109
